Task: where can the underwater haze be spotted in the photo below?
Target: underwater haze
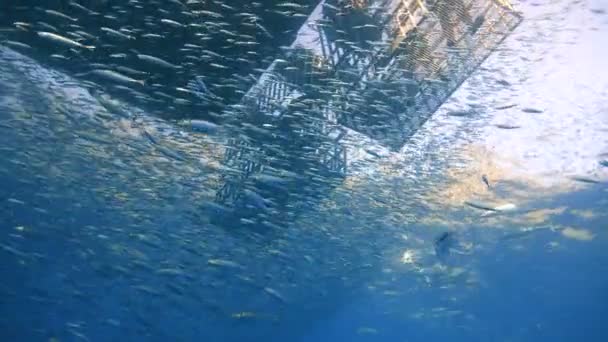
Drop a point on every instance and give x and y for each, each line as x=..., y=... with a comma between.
x=118, y=122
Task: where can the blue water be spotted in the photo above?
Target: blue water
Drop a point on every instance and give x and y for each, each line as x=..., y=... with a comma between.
x=527, y=295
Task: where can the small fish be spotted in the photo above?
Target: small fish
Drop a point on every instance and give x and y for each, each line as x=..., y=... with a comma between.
x=131, y=71
x=479, y=205
x=157, y=61
x=222, y=263
x=477, y=24
x=505, y=207
x=244, y=314
x=521, y=234
x=585, y=180
x=151, y=35
x=532, y=110
x=117, y=34
x=604, y=163
x=373, y=153
x=460, y=113
x=204, y=126
x=274, y=293
x=444, y=244
x=198, y=86
x=170, y=153
x=60, y=15
x=63, y=40
x=118, y=55
x=15, y=201
x=82, y=8
x=150, y=137
x=218, y=66
x=21, y=25
x=111, y=105
x=18, y=45
x=46, y=26
x=367, y=331
x=507, y=126
x=484, y=178
x=505, y=107
x=264, y=30
x=57, y=56
x=255, y=199
x=171, y=22
x=114, y=76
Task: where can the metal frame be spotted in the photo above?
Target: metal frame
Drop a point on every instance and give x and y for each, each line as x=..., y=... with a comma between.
x=277, y=96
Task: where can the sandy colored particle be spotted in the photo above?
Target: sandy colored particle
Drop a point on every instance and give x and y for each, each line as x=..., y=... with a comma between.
x=578, y=234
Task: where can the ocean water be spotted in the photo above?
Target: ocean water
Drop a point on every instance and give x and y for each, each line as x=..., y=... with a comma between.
x=106, y=231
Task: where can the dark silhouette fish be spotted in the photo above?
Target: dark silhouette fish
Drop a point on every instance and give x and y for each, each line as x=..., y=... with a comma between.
x=460, y=113
x=444, y=244
x=505, y=107
x=532, y=110
x=585, y=180
x=199, y=88
x=477, y=24
x=484, y=178
x=507, y=126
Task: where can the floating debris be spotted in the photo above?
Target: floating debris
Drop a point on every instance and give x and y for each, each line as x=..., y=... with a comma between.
x=408, y=257
x=578, y=234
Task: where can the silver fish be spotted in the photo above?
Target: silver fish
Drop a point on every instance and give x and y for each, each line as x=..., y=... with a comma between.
x=114, y=76
x=63, y=40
